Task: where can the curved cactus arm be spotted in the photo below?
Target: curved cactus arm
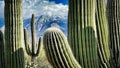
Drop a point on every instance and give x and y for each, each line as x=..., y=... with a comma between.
x=26, y=41
x=38, y=47
x=58, y=50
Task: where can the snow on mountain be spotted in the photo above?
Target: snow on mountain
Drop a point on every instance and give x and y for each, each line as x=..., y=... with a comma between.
x=47, y=14
x=45, y=21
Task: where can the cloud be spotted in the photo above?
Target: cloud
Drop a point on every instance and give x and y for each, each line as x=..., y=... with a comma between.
x=39, y=7
x=2, y=29
x=43, y=7
x=1, y=8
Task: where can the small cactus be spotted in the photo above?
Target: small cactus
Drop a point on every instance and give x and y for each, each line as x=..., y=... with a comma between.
x=2, y=53
x=32, y=52
x=58, y=50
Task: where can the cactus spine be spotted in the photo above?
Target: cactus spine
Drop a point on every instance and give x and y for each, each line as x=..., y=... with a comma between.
x=58, y=50
x=81, y=32
x=113, y=8
x=102, y=34
x=2, y=53
x=32, y=52
x=14, y=34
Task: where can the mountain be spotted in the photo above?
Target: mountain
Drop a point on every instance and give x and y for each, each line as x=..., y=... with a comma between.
x=45, y=21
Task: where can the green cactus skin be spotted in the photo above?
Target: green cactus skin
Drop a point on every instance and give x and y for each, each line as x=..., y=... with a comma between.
x=2, y=52
x=14, y=34
x=81, y=32
x=58, y=50
x=113, y=12
x=102, y=34
x=32, y=52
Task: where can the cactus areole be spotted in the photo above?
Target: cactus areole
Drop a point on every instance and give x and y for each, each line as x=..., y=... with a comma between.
x=14, y=34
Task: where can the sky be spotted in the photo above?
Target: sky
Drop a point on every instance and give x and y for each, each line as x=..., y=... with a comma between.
x=60, y=1
x=39, y=7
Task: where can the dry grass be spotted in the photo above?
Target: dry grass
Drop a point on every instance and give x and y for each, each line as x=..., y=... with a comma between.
x=40, y=62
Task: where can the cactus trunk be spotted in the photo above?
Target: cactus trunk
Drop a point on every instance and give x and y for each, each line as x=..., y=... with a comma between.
x=14, y=34
x=2, y=51
x=58, y=50
x=113, y=10
x=81, y=32
x=102, y=34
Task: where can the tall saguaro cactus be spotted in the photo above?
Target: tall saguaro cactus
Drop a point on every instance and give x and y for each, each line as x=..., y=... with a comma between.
x=81, y=32
x=102, y=34
x=113, y=12
x=32, y=52
x=58, y=50
x=14, y=34
x=2, y=53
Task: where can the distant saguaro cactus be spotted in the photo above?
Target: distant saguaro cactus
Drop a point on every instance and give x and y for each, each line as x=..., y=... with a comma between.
x=32, y=52
x=113, y=12
x=2, y=51
x=102, y=34
x=81, y=32
x=58, y=50
x=14, y=34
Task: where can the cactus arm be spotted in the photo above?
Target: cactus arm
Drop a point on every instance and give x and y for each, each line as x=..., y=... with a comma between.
x=26, y=41
x=38, y=46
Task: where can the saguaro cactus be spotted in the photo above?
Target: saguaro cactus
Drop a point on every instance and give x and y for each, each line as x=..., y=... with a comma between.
x=113, y=12
x=14, y=34
x=2, y=53
x=102, y=34
x=58, y=50
x=32, y=52
x=81, y=32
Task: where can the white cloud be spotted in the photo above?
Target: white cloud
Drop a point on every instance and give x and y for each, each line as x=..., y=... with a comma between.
x=39, y=7
x=1, y=9
x=2, y=29
x=42, y=7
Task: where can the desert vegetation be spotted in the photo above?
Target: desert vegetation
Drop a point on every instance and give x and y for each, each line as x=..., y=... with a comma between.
x=93, y=39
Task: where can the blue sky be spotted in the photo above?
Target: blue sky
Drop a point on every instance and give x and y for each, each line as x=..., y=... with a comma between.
x=60, y=1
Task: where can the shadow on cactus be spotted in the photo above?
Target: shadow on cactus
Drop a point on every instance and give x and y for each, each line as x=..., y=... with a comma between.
x=58, y=50
x=2, y=53
x=31, y=51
